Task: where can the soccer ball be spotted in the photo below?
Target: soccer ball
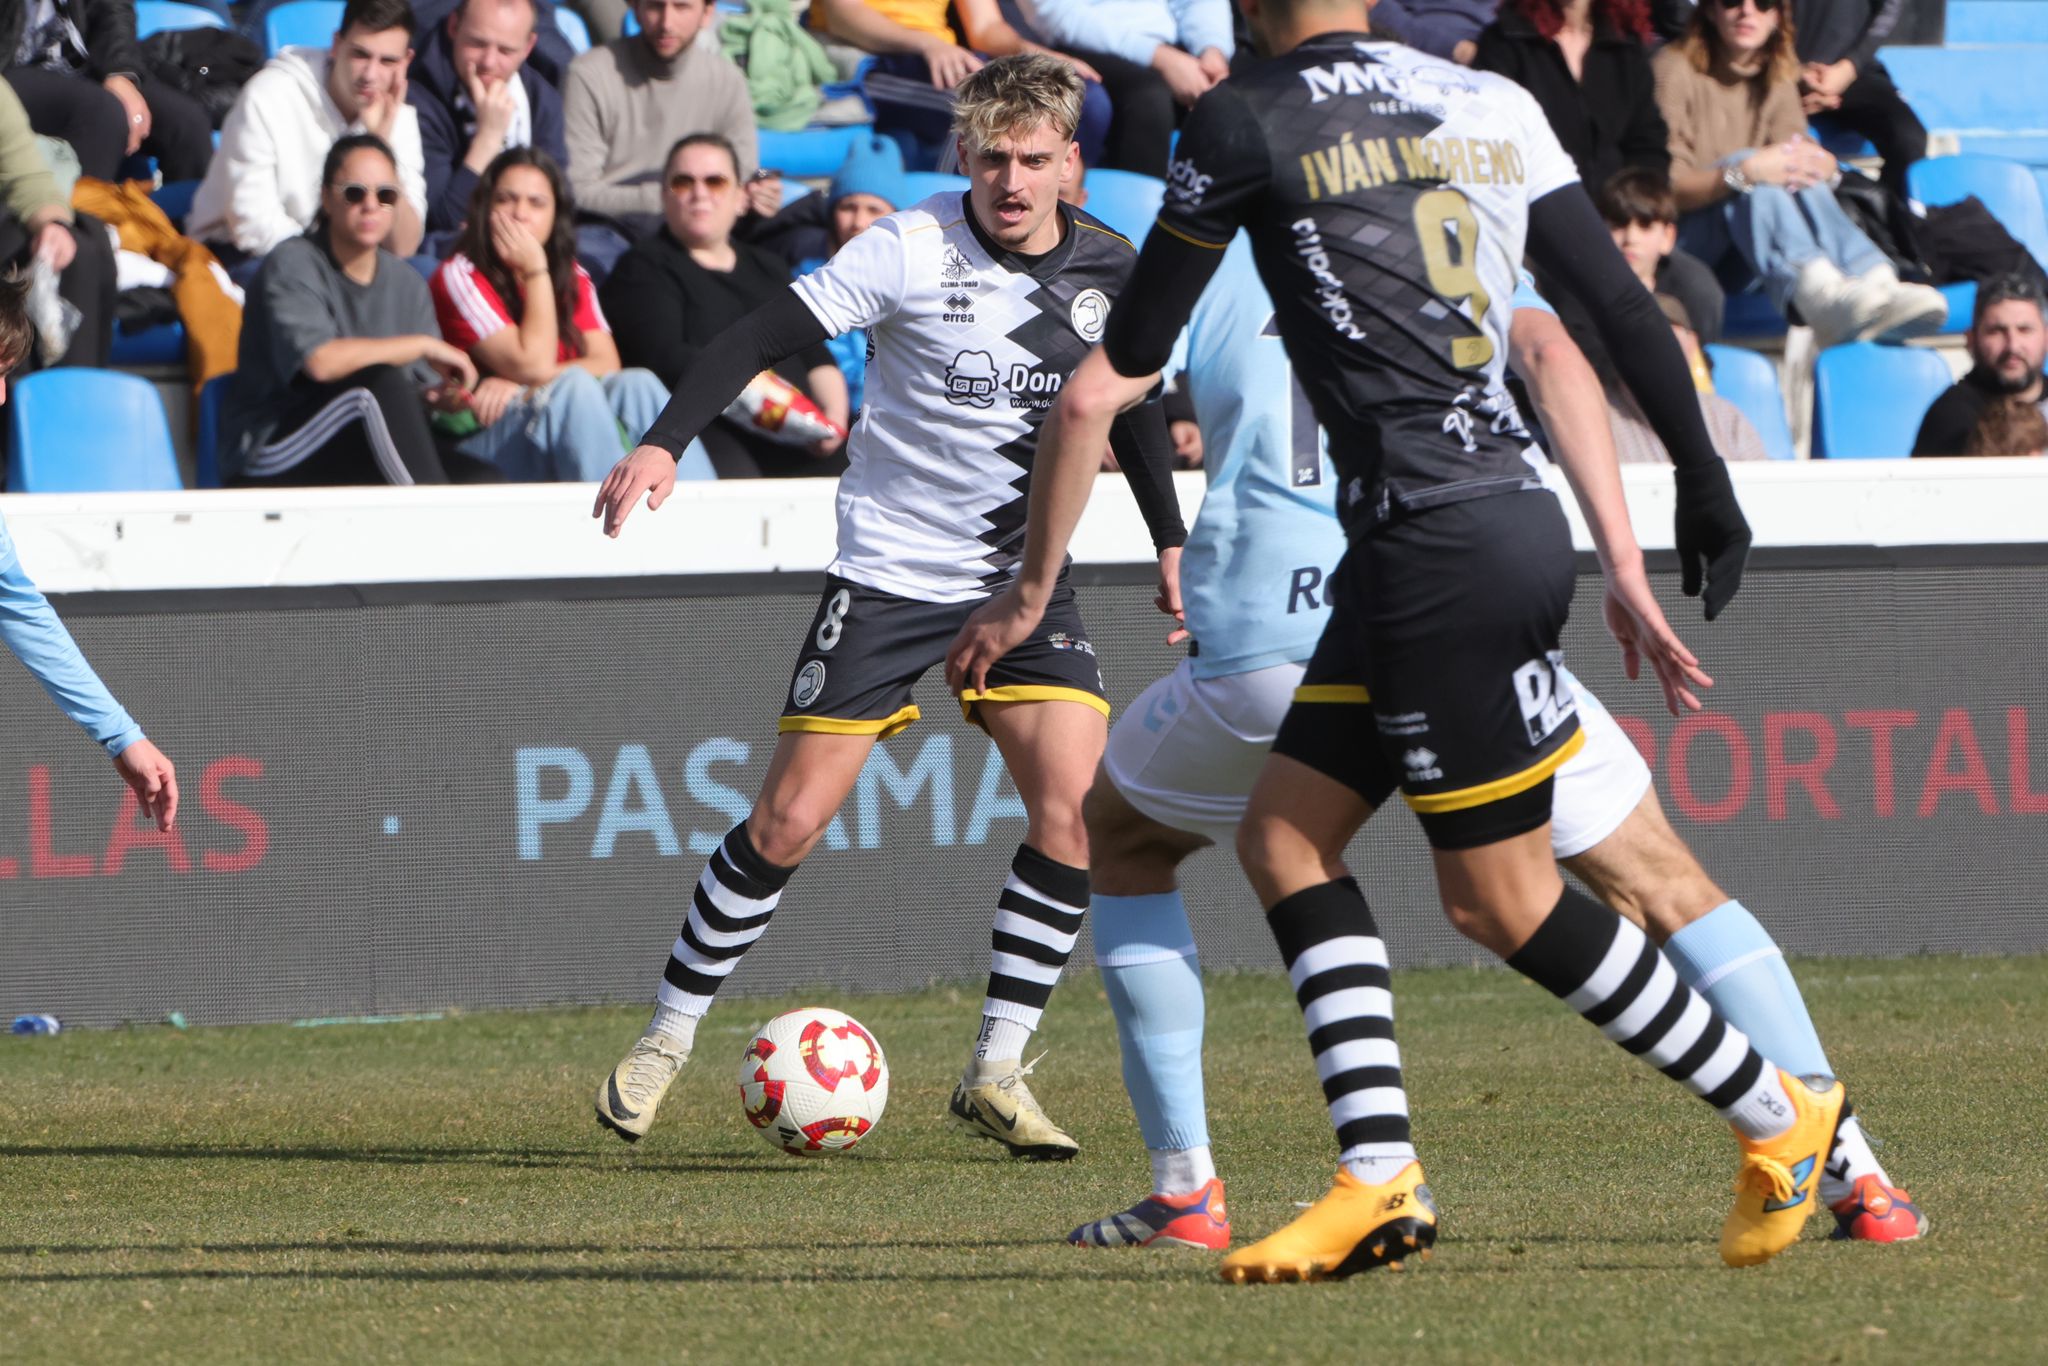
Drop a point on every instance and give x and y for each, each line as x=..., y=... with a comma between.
x=813, y=1081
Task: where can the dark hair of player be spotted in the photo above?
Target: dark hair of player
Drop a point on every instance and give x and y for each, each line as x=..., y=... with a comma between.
x=376, y=16
x=16, y=333
x=1637, y=194
x=560, y=246
x=2006, y=289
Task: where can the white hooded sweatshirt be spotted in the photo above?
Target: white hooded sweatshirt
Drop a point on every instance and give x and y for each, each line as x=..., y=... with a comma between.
x=263, y=185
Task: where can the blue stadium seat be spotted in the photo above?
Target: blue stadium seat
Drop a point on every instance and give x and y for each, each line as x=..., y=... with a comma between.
x=1995, y=86
x=163, y=344
x=302, y=23
x=1868, y=399
x=158, y=16
x=808, y=153
x=88, y=431
x=175, y=199
x=572, y=28
x=1748, y=380
x=1126, y=200
x=2007, y=188
x=206, y=446
x=1997, y=21
x=919, y=185
x=630, y=25
x=1752, y=314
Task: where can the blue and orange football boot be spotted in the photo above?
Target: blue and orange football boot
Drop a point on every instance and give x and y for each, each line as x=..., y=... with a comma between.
x=1778, y=1185
x=1353, y=1228
x=1197, y=1219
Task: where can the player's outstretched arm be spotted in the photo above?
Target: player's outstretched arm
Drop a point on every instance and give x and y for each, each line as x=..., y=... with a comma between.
x=1568, y=398
x=1568, y=239
x=31, y=628
x=1062, y=476
x=771, y=333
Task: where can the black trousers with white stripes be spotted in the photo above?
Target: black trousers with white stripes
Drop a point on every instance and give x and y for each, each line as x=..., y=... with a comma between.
x=370, y=428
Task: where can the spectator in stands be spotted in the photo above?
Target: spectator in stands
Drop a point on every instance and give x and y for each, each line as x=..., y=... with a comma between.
x=551, y=53
x=1642, y=213
x=1734, y=436
x=341, y=359
x=1756, y=191
x=38, y=226
x=1840, y=79
x=264, y=186
x=675, y=291
x=624, y=104
x=80, y=74
x=868, y=184
x=551, y=397
x=1995, y=408
x=1585, y=63
x=477, y=95
x=919, y=59
x=1443, y=28
x=1152, y=56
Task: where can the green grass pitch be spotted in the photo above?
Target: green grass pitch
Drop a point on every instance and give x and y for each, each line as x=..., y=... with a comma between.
x=440, y=1192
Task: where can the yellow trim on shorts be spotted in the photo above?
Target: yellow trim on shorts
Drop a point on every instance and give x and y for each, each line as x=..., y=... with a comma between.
x=1332, y=692
x=1028, y=692
x=1433, y=803
x=1191, y=241
x=881, y=727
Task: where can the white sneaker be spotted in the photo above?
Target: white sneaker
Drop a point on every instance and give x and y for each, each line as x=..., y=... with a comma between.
x=1003, y=1108
x=1837, y=308
x=630, y=1095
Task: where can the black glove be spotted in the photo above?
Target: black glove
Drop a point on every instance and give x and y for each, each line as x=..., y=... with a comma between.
x=1712, y=535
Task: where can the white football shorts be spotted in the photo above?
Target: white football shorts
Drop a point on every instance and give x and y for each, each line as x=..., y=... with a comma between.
x=1187, y=751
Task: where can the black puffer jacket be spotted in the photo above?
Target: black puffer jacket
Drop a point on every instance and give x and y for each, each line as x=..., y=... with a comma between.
x=108, y=27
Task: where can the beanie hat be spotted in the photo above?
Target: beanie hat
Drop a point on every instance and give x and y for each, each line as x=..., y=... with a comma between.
x=873, y=165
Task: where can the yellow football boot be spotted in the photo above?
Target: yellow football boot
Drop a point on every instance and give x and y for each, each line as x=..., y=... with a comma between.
x=1354, y=1228
x=627, y=1100
x=1776, y=1188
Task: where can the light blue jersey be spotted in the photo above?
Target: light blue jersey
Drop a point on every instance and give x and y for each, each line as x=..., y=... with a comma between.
x=1254, y=570
x=30, y=627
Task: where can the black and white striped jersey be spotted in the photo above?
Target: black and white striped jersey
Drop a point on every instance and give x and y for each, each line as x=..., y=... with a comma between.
x=1386, y=194
x=969, y=345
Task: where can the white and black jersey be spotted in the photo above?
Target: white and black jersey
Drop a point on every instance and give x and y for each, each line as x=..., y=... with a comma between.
x=968, y=346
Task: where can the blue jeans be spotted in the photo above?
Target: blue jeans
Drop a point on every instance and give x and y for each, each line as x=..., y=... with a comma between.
x=1774, y=233
x=568, y=429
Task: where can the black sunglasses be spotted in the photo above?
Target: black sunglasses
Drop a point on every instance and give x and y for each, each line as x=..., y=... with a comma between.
x=355, y=193
x=682, y=182
x=1762, y=6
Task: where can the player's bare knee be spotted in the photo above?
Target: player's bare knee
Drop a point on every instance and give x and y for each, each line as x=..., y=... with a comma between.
x=783, y=828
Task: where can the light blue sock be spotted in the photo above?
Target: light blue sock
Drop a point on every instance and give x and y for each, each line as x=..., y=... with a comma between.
x=1730, y=959
x=1147, y=955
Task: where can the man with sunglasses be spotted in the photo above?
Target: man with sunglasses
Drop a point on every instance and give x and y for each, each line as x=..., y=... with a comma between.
x=263, y=186
x=976, y=305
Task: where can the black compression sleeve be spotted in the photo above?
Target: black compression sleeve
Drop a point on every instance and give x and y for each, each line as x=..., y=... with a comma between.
x=773, y=332
x=1144, y=452
x=1169, y=277
x=1569, y=241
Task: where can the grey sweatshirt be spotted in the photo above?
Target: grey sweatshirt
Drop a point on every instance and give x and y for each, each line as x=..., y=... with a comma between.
x=624, y=108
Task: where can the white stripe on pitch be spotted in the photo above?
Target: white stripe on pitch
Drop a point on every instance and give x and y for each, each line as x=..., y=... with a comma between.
x=1613, y=969
x=1348, y=1004
x=1345, y=951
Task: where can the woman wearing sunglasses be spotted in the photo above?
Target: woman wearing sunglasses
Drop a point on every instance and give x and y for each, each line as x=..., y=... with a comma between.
x=552, y=397
x=341, y=360
x=675, y=291
x=1754, y=190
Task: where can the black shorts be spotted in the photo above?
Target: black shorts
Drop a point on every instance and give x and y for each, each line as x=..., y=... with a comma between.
x=866, y=649
x=1438, y=672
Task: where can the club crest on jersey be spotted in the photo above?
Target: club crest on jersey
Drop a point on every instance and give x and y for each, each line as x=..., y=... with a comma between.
x=1090, y=314
x=959, y=308
x=810, y=684
x=956, y=271
x=971, y=380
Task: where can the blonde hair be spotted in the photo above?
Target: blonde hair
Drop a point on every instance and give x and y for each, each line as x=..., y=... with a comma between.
x=1014, y=95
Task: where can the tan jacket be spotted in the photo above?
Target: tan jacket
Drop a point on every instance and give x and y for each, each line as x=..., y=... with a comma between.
x=213, y=321
x=1714, y=114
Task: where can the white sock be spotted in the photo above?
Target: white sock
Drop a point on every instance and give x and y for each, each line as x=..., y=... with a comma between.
x=1001, y=1039
x=1850, y=1162
x=1181, y=1171
x=1764, y=1110
x=673, y=1024
x=1377, y=1163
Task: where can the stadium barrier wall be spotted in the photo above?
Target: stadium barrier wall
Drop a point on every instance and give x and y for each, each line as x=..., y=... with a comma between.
x=454, y=749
